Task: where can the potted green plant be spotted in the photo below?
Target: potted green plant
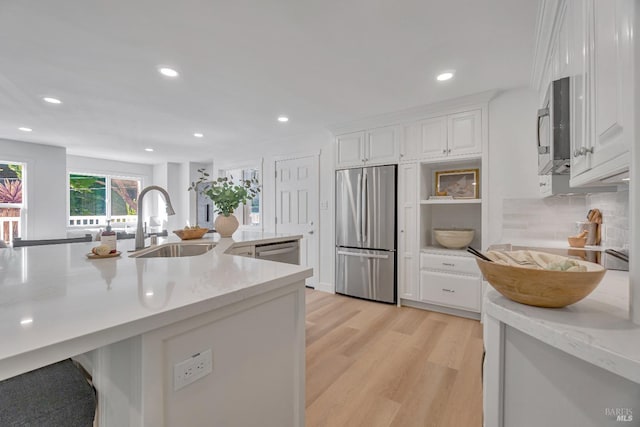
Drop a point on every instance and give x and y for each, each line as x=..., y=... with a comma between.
x=226, y=196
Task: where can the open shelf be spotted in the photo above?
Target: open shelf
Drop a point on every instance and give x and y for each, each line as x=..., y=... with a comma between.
x=450, y=201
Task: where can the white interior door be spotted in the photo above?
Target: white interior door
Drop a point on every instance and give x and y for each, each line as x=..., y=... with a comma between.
x=297, y=206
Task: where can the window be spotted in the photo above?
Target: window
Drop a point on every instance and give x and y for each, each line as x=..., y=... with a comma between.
x=248, y=214
x=95, y=198
x=11, y=200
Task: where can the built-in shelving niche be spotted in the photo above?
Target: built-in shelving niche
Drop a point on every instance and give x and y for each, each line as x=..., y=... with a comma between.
x=456, y=213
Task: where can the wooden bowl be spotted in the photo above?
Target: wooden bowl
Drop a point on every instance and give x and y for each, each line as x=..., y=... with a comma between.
x=191, y=233
x=453, y=238
x=542, y=288
x=577, y=242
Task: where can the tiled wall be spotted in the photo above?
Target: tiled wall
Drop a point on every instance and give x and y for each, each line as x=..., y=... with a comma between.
x=554, y=218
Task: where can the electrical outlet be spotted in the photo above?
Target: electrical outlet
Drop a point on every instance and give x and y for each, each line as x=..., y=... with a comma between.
x=192, y=369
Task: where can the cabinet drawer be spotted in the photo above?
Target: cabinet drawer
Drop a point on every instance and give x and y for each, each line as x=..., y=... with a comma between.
x=451, y=290
x=454, y=264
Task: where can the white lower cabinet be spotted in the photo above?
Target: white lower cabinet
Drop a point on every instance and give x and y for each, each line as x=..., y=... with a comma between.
x=452, y=281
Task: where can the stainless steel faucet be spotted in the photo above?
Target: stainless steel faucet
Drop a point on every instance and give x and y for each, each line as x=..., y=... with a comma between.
x=170, y=211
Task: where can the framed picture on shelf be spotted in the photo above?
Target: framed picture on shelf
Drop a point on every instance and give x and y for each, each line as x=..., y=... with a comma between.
x=461, y=184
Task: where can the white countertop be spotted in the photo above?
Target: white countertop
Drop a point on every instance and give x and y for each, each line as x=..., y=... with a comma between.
x=597, y=329
x=56, y=303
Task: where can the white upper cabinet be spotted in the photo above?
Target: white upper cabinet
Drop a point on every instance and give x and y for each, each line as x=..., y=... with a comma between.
x=613, y=81
x=424, y=139
x=350, y=149
x=464, y=133
x=591, y=41
x=441, y=137
x=372, y=147
x=382, y=145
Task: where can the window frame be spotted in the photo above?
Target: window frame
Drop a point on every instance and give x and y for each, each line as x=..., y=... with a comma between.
x=22, y=227
x=258, y=167
x=101, y=220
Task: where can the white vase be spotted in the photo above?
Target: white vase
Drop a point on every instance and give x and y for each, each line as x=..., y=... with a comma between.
x=226, y=225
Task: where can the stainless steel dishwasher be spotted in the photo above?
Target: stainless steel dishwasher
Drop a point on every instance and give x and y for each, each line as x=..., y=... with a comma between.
x=288, y=252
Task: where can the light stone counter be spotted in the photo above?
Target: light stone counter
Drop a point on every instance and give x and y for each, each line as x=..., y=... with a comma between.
x=56, y=303
x=597, y=329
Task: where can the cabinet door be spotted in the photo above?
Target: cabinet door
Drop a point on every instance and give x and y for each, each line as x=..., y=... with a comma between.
x=382, y=145
x=464, y=133
x=451, y=290
x=433, y=138
x=407, y=227
x=350, y=149
x=409, y=141
x=578, y=40
x=613, y=83
x=562, y=57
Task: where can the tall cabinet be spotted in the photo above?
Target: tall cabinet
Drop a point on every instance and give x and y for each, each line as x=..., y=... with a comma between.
x=431, y=141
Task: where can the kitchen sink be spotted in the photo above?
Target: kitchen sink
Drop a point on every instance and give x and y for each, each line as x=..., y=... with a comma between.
x=174, y=250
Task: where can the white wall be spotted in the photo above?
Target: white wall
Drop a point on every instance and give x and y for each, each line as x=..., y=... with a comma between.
x=45, y=187
x=513, y=160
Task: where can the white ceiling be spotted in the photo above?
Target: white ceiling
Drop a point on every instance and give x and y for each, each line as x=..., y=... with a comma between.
x=242, y=63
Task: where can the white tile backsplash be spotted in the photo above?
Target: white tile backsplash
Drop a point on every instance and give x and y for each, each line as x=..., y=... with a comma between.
x=554, y=218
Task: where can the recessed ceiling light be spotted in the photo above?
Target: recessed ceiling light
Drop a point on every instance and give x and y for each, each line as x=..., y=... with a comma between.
x=445, y=76
x=23, y=129
x=52, y=100
x=26, y=321
x=169, y=72
x=626, y=179
x=148, y=149
x=283, y=119
x=198, y=135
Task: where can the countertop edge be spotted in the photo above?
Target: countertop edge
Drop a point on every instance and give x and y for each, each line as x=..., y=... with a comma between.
x=32, y=359
x=575, y=343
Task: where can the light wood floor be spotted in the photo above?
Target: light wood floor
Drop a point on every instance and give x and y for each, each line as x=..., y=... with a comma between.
x=372, y=364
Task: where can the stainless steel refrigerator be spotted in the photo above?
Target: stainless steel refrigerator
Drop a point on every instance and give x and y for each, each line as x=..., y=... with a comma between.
x=366, y=233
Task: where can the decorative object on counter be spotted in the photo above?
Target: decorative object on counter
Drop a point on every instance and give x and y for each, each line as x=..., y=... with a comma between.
x=579, y=240
x=102, y=251
x=594, y=216
x=189, y=233
x=453, y=238
x=461, y=184
x=226, y=196
x=540, y=279
x=108, y=237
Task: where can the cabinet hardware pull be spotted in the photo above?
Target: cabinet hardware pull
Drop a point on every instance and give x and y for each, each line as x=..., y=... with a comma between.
x=448, y=264
x=449, y=290
x=444, y=151
x=588, y=150
x=449, y=150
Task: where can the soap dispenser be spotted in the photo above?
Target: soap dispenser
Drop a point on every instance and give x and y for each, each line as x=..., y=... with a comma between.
x=109, y=237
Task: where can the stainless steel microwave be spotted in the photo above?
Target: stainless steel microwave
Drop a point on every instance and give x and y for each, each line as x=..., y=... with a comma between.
x=554, y=139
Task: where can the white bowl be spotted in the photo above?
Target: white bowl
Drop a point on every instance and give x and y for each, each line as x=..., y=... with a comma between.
x=453, y=238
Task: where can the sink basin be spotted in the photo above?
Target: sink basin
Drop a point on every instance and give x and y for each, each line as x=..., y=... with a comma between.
x=174, y=250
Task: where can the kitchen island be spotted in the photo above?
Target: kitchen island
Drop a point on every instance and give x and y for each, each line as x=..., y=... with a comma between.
x=574, y=366
x=131, y=320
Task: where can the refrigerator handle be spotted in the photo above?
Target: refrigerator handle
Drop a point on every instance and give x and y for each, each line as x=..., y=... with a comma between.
x=363, y=255
x=359, y=209
x=365, y=207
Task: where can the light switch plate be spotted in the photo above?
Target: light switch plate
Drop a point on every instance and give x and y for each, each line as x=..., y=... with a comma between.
x=189, y=370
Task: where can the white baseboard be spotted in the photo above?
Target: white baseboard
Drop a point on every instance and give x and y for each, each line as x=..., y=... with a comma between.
x=326, y=287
